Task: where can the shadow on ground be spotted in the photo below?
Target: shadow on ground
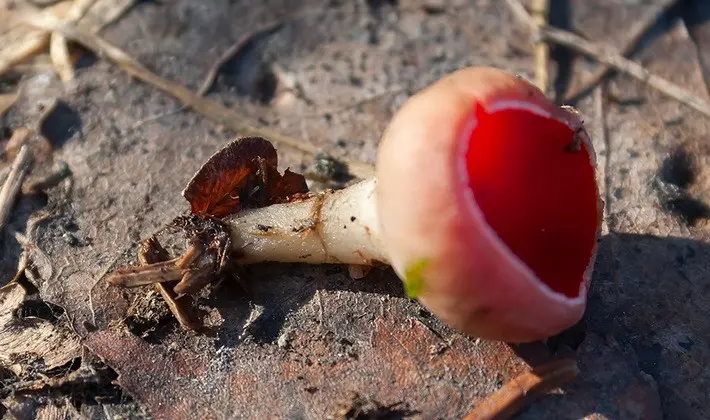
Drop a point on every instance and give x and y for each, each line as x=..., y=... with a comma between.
x=648, y=314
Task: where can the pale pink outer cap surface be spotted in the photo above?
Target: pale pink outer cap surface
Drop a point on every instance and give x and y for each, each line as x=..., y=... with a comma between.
x=427, y=211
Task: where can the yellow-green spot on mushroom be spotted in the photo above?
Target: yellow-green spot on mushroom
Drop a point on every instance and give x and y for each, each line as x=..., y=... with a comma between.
x=414, y=277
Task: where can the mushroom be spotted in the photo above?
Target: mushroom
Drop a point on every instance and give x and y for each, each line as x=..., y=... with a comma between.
x=484, y=203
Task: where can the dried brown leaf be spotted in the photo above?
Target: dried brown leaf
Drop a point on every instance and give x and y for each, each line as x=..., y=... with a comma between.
x=395, y=367
x=242, y=174
x=287, y=185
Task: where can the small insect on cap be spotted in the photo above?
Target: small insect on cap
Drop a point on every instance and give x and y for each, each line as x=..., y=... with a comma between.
x=489, y=205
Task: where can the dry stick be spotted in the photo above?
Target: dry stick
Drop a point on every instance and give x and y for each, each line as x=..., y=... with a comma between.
x=210, y=109
x=520, y=13
x=212, y=73
x=523, y=390
x=20, y=167
x=151, y=252
x=540, y=48
x=608, y=55
x=630, y=41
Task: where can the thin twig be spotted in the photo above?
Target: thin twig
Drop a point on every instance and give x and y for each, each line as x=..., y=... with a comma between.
x=608, y=55
x=210, y=109
x=523, y=390
x=540, y=48
x=231, y=51
x=631, y=40
x=20, y=167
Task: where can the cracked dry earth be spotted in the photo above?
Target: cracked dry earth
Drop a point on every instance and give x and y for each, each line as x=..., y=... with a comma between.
x=309, y=342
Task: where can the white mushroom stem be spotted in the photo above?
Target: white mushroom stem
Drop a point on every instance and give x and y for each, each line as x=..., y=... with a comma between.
x=330, y=227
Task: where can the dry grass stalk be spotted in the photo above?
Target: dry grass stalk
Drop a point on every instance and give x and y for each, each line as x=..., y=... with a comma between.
x=608, y=55
x=227, y=55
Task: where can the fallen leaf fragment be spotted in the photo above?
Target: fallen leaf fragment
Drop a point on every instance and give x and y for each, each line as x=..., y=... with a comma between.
x=28, y=341
x=391, y=367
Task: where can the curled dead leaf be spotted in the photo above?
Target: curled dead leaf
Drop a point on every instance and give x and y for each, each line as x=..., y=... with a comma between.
x=243, y=174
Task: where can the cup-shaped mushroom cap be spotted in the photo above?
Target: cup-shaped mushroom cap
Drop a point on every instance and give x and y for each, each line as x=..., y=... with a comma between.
x=489, y=205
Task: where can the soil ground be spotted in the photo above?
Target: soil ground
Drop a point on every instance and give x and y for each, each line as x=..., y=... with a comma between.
x=309, y=342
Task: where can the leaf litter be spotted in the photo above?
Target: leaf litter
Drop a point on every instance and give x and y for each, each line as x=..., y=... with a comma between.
x=312, y=353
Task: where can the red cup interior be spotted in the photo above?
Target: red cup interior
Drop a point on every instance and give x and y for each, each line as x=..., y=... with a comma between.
x=539, y=196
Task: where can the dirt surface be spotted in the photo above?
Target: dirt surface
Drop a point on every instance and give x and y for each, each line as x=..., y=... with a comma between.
x=309, y=342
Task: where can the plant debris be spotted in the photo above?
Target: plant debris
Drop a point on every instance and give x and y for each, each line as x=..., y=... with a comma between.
x=660, y=347
x=20, y=42
x=28, y=340
x=241, y=175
